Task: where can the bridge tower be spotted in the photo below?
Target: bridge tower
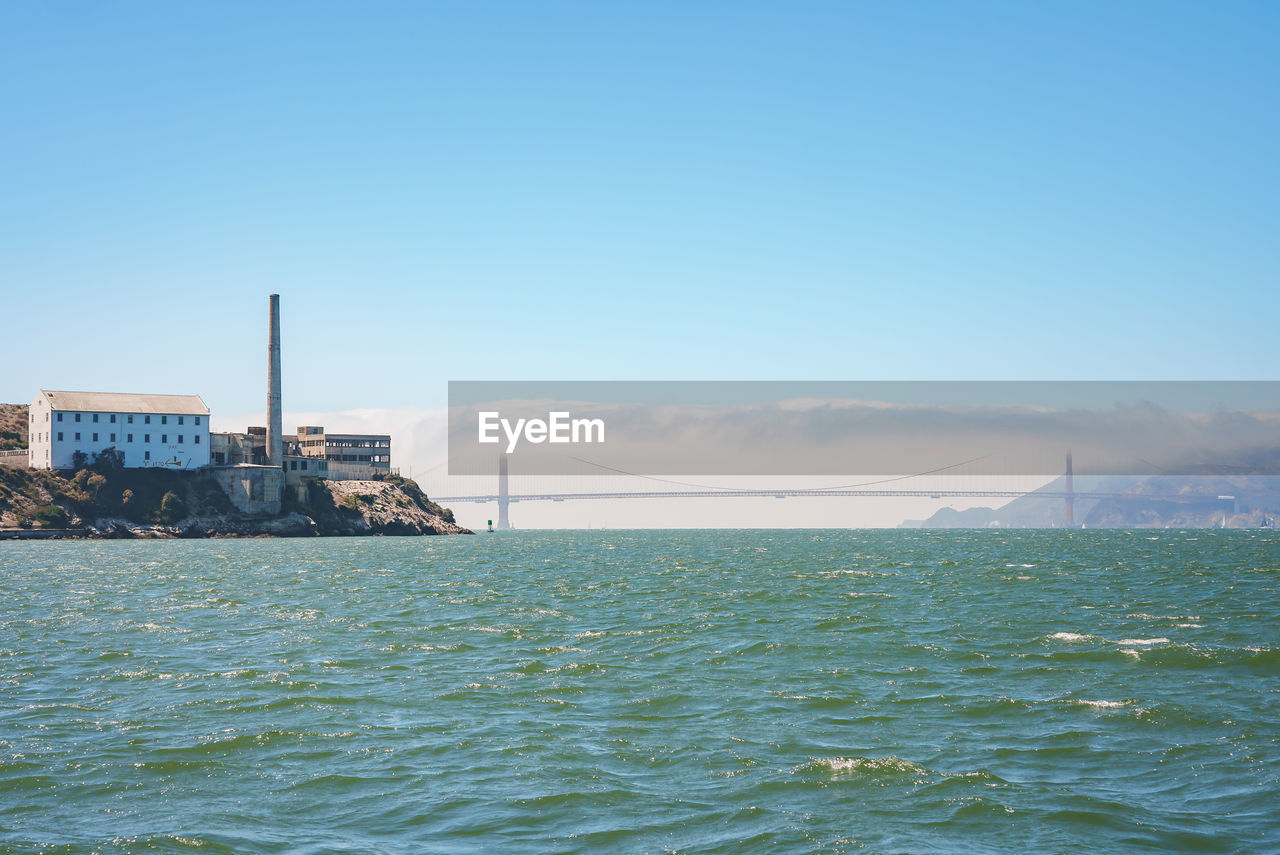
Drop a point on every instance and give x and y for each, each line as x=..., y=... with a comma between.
x=1071, y=499
x=504, y=521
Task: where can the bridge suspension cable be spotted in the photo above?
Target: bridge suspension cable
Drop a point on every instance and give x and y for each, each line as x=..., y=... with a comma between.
x=890, y=480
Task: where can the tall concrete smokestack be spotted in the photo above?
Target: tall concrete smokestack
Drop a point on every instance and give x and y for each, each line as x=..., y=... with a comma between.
x=275, y=435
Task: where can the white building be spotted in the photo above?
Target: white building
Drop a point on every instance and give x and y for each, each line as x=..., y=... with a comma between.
x=171, y=431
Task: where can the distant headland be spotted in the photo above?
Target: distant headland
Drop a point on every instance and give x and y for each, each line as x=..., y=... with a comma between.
x=113, y=464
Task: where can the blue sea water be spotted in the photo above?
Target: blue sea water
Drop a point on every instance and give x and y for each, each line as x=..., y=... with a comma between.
x=690, y=691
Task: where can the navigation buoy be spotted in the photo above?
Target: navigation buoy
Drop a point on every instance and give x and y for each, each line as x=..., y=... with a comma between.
x=490, y=526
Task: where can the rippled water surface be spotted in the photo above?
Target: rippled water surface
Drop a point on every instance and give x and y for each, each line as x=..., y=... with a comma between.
x=705, y=691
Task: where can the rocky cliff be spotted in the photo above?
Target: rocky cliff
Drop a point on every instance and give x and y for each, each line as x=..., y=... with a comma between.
x=390, y=506
x=144, y=503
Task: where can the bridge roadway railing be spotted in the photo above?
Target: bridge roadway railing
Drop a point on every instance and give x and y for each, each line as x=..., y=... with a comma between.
x=782, y=494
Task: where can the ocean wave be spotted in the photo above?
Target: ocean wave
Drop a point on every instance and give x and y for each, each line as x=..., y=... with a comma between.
x=1265, y=659
x=1100, y=705
x=1079, y=637
x=980, y=809
x=976, y=775
x=424, y=648
x=1071, y=636
x=888, y=767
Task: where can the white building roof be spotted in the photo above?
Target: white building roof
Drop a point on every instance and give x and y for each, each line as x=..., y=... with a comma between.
x=124, y=402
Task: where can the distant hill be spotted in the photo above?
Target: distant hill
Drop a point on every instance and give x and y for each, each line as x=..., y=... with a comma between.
x=1256, y=499
x=1208, y=501
x=13, y=426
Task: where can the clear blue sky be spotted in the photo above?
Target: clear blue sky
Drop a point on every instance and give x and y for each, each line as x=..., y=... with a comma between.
x=474, y=190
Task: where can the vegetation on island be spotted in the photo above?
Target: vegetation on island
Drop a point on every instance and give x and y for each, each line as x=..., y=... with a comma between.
x=103, y=487
x=385, y=504
x=102, y=498
x=13, y=426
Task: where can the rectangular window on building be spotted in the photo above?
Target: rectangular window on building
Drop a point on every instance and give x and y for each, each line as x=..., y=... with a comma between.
x=59, y=436
x=77, y=417
x=113, y=418
x=180, y=420
x=59, y=416
x=197, y=439
x=304, y=466
x=130, y=417
x=113, y=437
x=179, y=439
x=197, y=420
x=146, y=455
x=77, y=436
x=95, y=418
x=128, y=438
x=146, y=437
x=293, y=464
x=164, y=420
x=95, y=437
x=164, y=438
x=146, y=420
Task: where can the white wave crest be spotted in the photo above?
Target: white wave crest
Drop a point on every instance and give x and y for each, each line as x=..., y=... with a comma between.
x=1070, y=636
x=869, y=765
x=1101, y=705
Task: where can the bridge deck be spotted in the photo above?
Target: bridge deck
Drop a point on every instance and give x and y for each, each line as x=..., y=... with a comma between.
x=783, y=494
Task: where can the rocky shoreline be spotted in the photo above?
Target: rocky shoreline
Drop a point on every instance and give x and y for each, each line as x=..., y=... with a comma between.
x=49, y=506
x=292, y=524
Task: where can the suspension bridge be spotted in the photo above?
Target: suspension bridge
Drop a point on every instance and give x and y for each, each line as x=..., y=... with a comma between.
x=505, y=498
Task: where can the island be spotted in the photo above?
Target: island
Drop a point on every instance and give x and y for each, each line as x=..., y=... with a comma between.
x=103, y=499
